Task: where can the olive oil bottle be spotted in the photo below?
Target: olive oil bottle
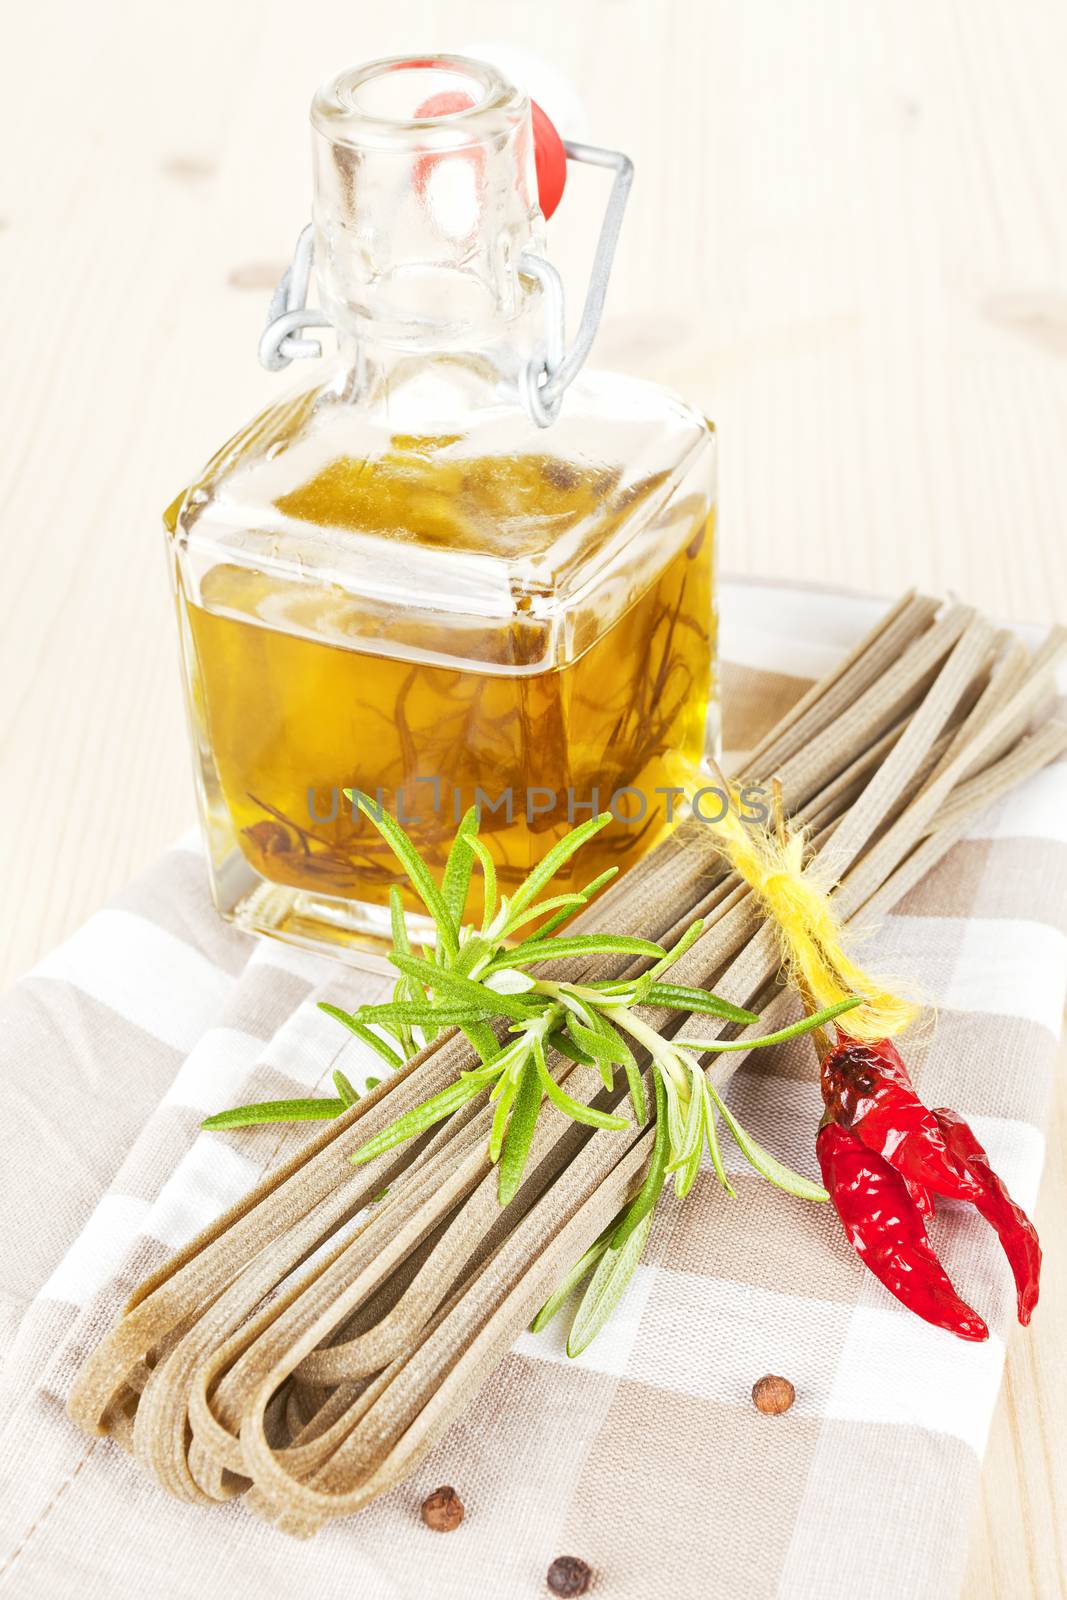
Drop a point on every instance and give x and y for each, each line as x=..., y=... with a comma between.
x=401, y=581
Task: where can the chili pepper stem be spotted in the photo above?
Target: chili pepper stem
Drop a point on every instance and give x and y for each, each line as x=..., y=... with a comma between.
x=819, y=1037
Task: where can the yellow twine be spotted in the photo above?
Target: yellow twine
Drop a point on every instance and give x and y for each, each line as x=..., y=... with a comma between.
x=808, y=928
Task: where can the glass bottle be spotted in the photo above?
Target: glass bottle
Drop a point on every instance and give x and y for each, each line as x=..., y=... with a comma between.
x=394, y=580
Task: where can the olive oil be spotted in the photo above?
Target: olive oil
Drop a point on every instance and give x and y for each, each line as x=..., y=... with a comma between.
x=293, y=720
x=426, y=574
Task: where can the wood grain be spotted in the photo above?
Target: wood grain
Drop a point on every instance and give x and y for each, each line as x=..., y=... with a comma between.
x=848, y=242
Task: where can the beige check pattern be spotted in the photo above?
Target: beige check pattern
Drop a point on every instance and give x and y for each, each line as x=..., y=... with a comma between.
x=645, y=1457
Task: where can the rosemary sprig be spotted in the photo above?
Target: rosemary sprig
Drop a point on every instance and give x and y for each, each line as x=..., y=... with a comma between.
x=475, y=978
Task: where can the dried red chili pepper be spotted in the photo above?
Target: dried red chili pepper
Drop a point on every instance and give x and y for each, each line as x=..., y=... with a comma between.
x=866, y=1087
x=914, y=1153
x=885, y=1227
x=924, y=1200
x=1014, y=1229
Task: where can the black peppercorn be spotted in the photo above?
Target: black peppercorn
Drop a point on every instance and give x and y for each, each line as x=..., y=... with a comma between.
x=569, y=1576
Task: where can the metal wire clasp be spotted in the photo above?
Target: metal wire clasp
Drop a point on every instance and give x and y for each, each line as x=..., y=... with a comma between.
x=289, y=312
x=545, y=377
x=545, y=380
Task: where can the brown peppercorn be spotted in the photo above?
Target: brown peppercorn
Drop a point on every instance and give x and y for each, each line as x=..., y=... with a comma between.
x=443, y=1510
x=773, y=1395
x=568, y=1576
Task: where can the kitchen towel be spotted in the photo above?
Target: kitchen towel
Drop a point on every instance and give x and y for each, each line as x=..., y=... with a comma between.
x=645, y=1457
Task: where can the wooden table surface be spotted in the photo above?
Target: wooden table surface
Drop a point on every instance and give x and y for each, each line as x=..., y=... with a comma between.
x=847, y=241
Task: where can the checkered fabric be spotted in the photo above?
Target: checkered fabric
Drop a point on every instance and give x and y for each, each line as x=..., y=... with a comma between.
x=645, y=1457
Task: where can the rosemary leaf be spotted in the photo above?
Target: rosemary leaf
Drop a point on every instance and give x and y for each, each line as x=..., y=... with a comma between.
x=561, y=1043
x=416, y=869
x=506, y=1090
x=617, y=1051
x=607, y=1287
x=686, y=942
x=766, y=1165
x=687, y=1161
x=628, y=992
x=636, y=1087
x=576, y=1007
x=581, y=944
x=482, y=1038
x=805, y=1025
x=682, y=998
x=573, y=901
x=465, y=990
x=675, y=1115
x=603, y=1043
x=714, y=1148
x=405, y=988
x=520, y=1134
x=419, y=1118
x=475, y=950
x=509, y=980
x=645, y=1199
x=488, y=867
x=455, y=885
x=276, y=1111
x=603, y=1058
x=581, y=1269
x=420, y=1013
x=344, y=1088
x=586, y=895
x=397, y=921
x=589, y=1115
x=550, y=864
x=361, y=1031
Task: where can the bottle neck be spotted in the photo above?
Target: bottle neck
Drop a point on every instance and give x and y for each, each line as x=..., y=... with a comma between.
x=425, y=198
x=419, y=386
